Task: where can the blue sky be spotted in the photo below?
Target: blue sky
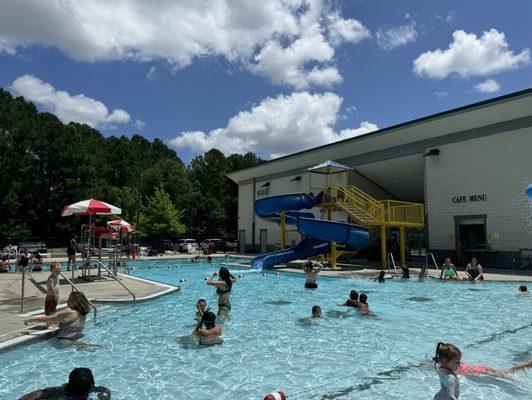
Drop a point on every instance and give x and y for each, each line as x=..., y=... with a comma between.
x=270, y=77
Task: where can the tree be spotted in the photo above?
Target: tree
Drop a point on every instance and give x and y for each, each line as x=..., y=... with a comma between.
x=159, y=217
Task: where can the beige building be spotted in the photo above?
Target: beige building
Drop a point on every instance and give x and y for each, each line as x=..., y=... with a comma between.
x=468, y=166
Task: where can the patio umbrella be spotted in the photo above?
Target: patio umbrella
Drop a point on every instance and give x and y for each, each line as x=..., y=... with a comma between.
x=121, y=225
x=90, y=207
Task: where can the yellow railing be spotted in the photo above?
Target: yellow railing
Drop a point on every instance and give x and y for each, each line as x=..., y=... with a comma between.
x=369, y=211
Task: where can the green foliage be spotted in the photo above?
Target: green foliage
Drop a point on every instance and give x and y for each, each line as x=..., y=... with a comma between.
x=45, y=165
x=159, y=217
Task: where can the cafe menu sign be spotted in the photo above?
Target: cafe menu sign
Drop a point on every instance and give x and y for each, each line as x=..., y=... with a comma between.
x=472, y=198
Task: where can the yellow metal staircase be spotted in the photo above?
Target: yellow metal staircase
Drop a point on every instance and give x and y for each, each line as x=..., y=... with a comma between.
x=366, y=210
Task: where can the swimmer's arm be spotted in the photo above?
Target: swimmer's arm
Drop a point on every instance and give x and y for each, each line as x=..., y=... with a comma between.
x=210, y=280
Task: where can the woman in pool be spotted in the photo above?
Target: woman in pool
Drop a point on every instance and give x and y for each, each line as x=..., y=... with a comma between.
x=474, y=271
x=223, y=288
x=448, y=270
x=447, y=362
x=207, y=331
x=380, y=278
x=71, y=320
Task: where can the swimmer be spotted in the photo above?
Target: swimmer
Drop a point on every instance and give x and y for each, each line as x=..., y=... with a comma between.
x=523, y=289
x=468, y=369
x=380, y=278
x=352, y=301
x=447, y=362
x=223, y=289
x=201, y=305
x=363, y=304
x=423, y=273
x=316, y=312
x=406, y=272
x=209, y=259
x=448, y=270
x=312, y=269
x=211, y=333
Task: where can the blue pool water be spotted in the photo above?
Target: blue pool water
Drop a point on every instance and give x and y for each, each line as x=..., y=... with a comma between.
x=148, y=352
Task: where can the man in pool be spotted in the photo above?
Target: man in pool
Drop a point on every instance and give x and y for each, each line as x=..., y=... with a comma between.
x=80, y=385
x=207, y=331
x=316, y=312
x=352, y=301
x=312, y=269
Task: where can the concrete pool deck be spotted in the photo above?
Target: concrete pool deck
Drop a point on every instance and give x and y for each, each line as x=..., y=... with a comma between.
x=105, y=290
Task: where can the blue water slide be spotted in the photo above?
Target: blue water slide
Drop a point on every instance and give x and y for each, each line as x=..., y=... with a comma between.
x=318, y=233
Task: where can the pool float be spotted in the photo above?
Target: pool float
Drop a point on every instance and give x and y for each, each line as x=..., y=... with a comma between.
x=528, y=191
x=275, y=396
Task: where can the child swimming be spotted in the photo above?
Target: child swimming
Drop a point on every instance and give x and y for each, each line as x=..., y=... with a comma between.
x=447, y=362
x=201, y=305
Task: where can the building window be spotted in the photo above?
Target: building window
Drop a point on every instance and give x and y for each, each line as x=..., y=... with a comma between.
x=263, y=191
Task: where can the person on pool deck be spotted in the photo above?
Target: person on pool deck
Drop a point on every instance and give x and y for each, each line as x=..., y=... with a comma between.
x=71, y=253
x=474, y=271
x=223, y=288
x=4, y=264
x=201, y=305
x=79, y=387
x=71, y=320
x=448, y=270
x=446, y=362
x=380, y=278
x=312, y=269
x=352, y=301
x=316, y=312
x=207, y=331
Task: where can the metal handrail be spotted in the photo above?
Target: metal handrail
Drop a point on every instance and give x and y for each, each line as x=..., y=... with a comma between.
x=390, y=256
x=75, y=287
x=433, y=260
x=116, y=278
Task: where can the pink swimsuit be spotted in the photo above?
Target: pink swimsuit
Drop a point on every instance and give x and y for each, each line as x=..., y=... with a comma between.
x=466, y=368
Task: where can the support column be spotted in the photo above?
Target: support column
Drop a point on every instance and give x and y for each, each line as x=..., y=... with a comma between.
x=384, y=256
x=402, y=243
x=283, y=230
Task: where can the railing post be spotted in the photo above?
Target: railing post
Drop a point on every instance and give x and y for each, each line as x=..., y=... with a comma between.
x=22, y=289
x=384, y=258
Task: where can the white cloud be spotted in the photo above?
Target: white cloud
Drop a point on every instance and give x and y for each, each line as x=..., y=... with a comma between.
x=469, y=55
x=488, y=86
x=440, y=94
x=139, y=124
x=254, y=33
x=77, y=108
x=390, y=38
x=277, y=126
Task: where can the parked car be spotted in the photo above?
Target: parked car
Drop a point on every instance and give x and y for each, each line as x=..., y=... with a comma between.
x=186, y=245
x=213, y=245
x=33, y=247
x=231, y=245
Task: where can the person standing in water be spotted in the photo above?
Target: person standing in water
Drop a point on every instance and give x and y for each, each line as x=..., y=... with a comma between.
x=447, y=362
x=223, y=289
x=207, y=331
x=312, y=269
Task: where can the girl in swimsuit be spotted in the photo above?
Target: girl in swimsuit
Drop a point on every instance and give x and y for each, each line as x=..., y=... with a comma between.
x=447, y=362
x=71, y=320
x=474, y=271
x=211, y=334
x=223, y=288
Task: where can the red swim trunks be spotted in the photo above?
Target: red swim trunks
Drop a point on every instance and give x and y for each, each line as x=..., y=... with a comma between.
x=49, y=306
x=466, y=368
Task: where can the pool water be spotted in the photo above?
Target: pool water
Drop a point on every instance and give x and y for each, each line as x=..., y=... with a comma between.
x=148, y=353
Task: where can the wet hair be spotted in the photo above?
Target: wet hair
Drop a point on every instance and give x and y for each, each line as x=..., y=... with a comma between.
x=307, y=265
x=80, y=382
x=381, y=274
x=54, y=264
x=363, y=298
x=81, y=304
x=446, y=352
x=353, y=295
x=225, y=276
x=315, y=309
x=202, y=301
x=208, y=320
x=523, y=288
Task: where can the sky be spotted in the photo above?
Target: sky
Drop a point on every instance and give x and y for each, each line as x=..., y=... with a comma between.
x=272, y=77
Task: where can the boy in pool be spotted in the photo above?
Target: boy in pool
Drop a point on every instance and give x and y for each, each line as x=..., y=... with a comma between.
x=312, y=269
x=523, y=289
x=316, y=312
x=201, y=305
x=352, y=301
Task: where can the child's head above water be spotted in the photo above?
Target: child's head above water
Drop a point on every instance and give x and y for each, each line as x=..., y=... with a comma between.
x=523, y=288
x=316, y=312
x=353, y=295
x=202, y=304
x=448, y=356
x=363, y=298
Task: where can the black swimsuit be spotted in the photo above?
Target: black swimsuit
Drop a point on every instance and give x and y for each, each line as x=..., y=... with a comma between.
x=311, y=285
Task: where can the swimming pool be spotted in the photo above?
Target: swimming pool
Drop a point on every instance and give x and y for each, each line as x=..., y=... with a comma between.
x=148, y=353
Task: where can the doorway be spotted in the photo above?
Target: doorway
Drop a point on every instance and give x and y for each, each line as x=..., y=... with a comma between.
x=470, y=233
x=263, y=240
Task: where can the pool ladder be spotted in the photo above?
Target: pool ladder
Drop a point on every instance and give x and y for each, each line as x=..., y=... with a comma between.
x=100, y=264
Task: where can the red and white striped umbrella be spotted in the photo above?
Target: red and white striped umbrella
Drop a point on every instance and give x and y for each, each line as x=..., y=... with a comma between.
x=120, y=224
x=89, y=207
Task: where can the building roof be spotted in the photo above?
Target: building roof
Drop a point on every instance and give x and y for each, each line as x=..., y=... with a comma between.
x=488, y=112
